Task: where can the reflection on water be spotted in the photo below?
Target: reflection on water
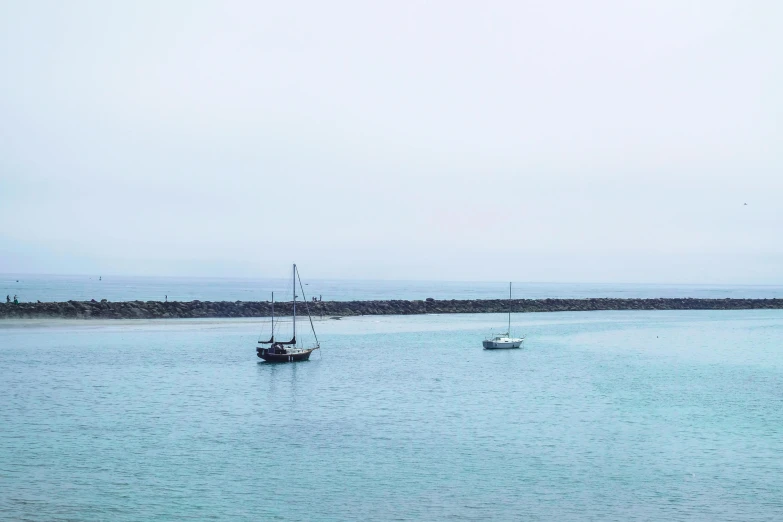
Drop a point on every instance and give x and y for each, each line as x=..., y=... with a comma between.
x=280, y=377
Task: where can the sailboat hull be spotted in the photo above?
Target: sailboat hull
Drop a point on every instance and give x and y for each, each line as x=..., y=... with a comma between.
x=500, y=345
x=264, y=354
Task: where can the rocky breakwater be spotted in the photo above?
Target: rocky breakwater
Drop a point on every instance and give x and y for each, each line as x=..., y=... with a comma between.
x=196, y=309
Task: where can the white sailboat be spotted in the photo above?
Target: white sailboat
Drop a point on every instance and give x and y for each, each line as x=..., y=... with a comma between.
x=504, y=340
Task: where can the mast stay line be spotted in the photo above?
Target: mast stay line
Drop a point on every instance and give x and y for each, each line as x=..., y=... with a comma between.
x=307, y=307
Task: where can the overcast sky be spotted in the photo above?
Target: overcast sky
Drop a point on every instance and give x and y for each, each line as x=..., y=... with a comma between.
x=606, y=141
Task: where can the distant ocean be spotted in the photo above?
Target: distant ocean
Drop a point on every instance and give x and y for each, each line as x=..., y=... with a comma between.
x=125, y=288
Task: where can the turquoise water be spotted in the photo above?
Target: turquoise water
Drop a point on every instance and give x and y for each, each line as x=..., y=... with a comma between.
x=603, y=416
x=35, y=287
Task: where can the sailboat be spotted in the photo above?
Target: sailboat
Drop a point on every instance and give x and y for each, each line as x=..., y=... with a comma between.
x=288, y=351
x=504, y=340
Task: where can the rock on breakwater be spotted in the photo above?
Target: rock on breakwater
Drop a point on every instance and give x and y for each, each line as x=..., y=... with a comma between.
x=217, y=309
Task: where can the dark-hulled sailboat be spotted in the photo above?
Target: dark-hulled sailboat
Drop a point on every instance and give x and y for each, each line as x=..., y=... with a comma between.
x=288, y=351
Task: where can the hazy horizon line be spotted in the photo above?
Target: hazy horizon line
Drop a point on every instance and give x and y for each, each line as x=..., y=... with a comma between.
x=498, y=281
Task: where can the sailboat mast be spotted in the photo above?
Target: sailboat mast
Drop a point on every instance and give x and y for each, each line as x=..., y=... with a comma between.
x=509, y=309
x=294, y=286
x=273, y=317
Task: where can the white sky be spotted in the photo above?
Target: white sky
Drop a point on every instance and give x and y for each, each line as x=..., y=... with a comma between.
x=606, y=141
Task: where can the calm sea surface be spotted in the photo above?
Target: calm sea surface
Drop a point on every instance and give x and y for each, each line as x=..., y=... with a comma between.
x=603, y=416
x=31, y=288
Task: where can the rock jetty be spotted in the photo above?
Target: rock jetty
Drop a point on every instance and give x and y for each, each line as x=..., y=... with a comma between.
x=194, y=309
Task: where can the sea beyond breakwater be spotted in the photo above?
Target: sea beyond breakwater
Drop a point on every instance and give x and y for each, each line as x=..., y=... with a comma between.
x=225, y=309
